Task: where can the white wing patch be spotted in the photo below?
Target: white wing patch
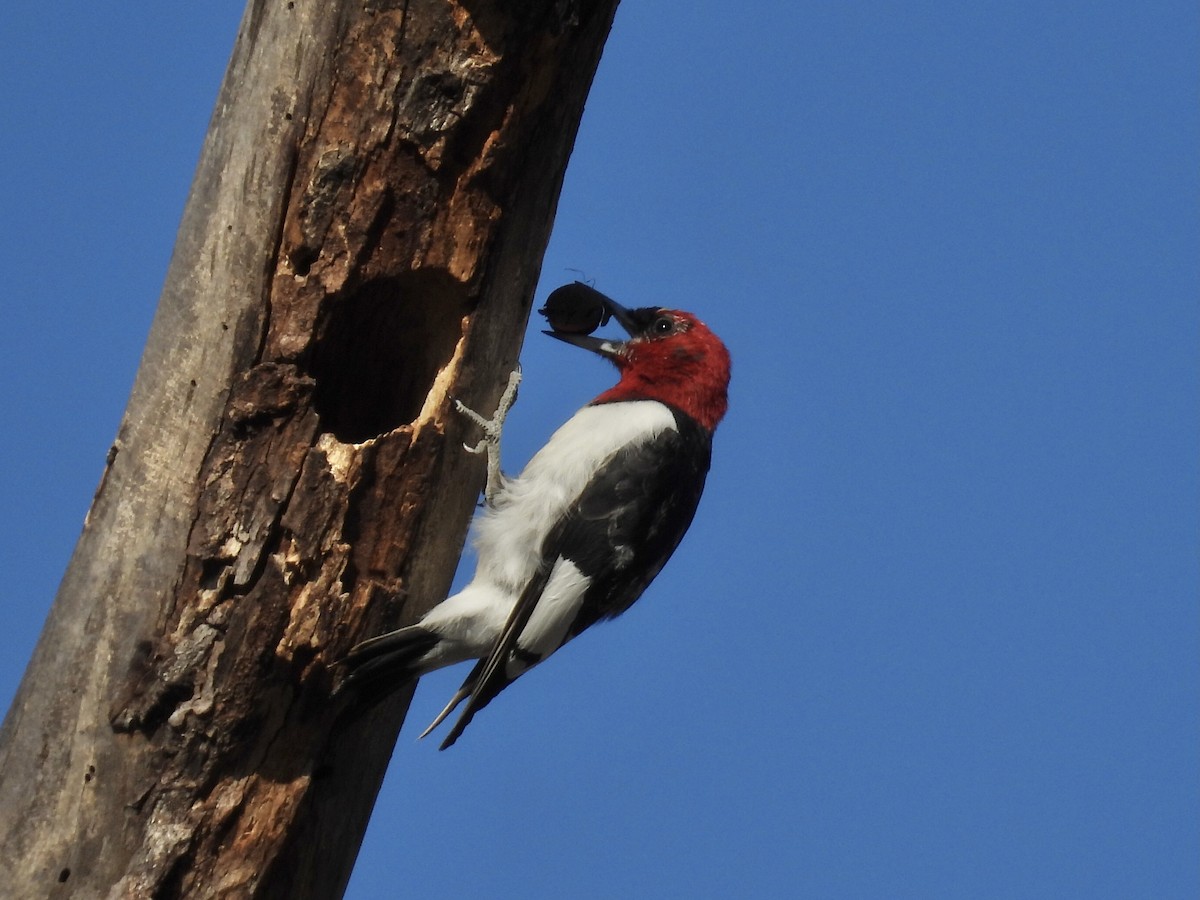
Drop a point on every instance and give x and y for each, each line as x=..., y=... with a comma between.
x=555, y=611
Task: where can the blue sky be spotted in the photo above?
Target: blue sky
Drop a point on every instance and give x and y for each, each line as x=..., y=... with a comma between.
x=936, y=630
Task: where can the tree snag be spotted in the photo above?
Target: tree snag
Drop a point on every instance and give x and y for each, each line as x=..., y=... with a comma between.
x=361, y=244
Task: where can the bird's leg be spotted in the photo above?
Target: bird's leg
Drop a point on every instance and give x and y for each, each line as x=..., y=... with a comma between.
x=490, y=443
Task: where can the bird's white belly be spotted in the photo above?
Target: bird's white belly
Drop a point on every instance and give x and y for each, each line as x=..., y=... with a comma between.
x=509, y=538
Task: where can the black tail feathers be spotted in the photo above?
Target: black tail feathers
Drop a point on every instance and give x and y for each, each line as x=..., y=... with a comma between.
x=377, y=666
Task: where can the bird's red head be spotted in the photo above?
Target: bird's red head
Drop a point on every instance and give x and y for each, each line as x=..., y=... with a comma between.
x=671, y=356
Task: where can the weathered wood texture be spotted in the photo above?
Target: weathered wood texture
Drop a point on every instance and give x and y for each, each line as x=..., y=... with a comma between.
x=361, y=242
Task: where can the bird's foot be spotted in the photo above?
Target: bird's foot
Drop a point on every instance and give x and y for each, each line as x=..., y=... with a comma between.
x=492, y=429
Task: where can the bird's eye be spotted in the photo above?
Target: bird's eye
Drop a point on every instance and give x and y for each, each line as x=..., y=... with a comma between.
x=663, y=325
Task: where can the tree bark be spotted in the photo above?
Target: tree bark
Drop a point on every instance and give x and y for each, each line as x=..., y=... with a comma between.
x=361, y=244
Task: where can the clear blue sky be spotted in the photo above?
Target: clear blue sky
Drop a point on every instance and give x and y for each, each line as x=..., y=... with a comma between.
x=935, y=631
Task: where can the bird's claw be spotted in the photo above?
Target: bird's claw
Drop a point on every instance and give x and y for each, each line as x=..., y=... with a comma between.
x=491, y=427
x=492, y=430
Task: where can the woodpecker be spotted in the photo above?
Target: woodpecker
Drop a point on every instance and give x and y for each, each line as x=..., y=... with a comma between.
x=580, y=533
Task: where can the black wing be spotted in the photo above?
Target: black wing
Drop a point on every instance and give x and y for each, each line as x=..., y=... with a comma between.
x=619, y=533
x=631, y=517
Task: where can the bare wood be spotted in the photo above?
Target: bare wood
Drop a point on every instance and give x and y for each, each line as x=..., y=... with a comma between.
x=361, y=243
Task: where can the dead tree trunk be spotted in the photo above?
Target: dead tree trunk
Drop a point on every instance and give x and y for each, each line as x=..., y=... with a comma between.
x=361, y=243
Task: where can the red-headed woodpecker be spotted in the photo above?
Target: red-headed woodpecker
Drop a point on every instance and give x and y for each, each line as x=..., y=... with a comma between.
x=584, y=529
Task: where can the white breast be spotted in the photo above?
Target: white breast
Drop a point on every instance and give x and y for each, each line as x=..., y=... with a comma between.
x=509, y=538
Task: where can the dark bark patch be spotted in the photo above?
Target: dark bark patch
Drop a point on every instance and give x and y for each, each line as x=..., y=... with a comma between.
x=380, y=348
